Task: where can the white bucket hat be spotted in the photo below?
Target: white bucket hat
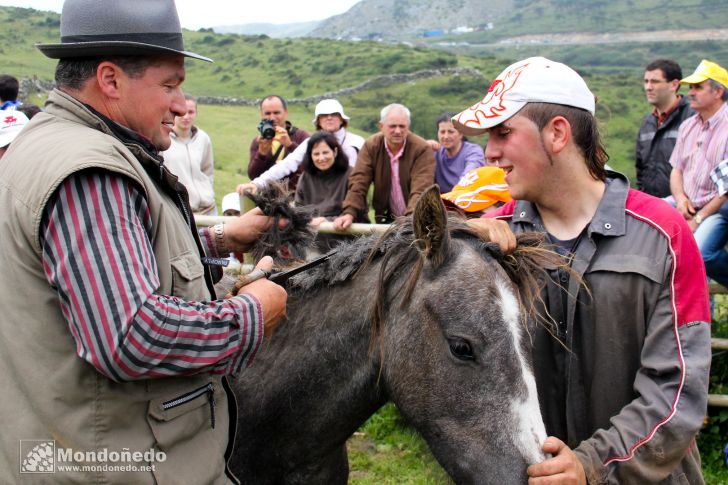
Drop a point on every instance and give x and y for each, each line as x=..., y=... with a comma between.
x=533, y=80
x=11, y=122
x=327, y=107
x=231, y=201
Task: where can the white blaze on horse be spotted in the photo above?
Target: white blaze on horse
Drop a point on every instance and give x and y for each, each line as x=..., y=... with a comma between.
x=427, y=316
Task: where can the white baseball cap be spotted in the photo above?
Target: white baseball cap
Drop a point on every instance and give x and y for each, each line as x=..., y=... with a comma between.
x=532, y=80
x=231, y=201
x=327, y=107
x=11, y=122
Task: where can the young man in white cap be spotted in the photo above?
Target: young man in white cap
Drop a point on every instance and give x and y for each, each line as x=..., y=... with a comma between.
x=267, y=150
x=328, y=116
x=621, y=362
x=11, y=122
x=112, y=340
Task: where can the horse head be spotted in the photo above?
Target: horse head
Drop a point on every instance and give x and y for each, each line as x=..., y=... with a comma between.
x=455, y=356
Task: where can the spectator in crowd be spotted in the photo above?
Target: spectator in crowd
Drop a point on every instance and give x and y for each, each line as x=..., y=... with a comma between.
x=328, y=116
x=116, y=341
x=701, y=144
x=231, y=204
x=325, y=178
x=658, y=131
x=400, y=164
x=454, y=154
x=266, y=152
x=11, y=122
x=621, y=359
x=9, y=88
x=190, y=158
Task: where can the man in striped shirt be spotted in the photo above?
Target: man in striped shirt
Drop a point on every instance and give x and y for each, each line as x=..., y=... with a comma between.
x=111, y=335
x=702, y=143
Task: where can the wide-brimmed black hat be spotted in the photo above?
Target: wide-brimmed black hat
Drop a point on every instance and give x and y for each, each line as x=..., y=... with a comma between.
x=92, y=28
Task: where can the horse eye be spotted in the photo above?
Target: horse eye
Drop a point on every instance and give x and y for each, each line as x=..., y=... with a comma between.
x=461, y=349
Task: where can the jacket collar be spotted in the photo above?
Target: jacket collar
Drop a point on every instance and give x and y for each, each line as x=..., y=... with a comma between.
x=609, y=219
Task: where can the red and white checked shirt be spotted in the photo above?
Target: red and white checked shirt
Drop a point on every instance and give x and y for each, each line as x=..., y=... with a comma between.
x=97, y=255
x=699, y=148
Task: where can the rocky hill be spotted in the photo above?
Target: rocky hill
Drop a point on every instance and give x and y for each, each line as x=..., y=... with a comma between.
x=385, y=19
x=493, y=20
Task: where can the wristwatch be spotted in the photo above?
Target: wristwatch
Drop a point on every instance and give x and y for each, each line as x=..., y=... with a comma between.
x=219, y=231
x=698, y=218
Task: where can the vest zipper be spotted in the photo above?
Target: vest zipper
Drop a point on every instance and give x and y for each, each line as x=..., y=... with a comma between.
x=208, y=389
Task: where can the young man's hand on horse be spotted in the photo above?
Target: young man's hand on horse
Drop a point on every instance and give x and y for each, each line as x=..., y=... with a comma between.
x=271, y=296
x=494, y=230
x=242, y=232
x=563, y=468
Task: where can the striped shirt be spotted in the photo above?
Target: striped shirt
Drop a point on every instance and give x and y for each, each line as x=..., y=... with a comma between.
x=699, y=148
x=98, y=256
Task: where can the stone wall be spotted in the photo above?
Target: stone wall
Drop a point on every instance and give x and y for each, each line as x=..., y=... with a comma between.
x=34, y=85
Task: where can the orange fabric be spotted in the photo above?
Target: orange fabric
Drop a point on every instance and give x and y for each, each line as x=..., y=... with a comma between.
x=479, y=189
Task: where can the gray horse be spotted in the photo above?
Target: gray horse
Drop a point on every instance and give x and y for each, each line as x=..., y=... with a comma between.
x=427, y=316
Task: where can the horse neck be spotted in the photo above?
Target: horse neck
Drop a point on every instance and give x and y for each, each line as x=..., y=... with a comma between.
x=314, y=378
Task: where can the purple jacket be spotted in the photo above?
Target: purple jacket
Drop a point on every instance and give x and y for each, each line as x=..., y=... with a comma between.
x=449, y=170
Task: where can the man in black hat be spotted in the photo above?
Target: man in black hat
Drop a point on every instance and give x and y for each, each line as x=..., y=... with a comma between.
x=116, y=349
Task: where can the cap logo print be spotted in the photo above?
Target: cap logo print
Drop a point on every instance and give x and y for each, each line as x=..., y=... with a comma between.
x=10, y=119
x=494, y=97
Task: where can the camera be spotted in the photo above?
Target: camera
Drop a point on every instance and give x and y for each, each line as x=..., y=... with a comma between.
x=266, y=129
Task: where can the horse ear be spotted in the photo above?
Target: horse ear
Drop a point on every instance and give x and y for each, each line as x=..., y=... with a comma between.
x=429, y=222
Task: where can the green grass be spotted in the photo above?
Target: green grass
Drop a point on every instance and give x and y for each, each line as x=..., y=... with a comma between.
x=387, y=451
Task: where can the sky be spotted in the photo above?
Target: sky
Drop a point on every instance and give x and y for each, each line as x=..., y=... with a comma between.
x=195, y=14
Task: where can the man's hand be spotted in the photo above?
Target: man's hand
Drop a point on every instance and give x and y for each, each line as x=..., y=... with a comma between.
x=283, y=137
x=343, y=222
x=265, y=147
x=563, y=468
x=434, y=144
x=243, y=231
x=685, y=207
x=271, y=296
x=316, y=221
x=494, y=230
x=250, y=187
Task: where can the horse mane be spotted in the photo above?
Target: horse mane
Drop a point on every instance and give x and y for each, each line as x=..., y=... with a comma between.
x=400, y=251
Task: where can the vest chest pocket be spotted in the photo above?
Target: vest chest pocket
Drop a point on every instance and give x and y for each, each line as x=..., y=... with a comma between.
x=188, y=280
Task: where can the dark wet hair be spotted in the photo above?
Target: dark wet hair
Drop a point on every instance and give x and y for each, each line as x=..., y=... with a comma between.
x=584, y=129
x=669, y=68
x=9, y=87
x=447, y=117
x=341, y=161
x=73, y=72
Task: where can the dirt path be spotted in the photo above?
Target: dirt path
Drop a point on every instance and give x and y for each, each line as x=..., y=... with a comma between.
x=676, y=35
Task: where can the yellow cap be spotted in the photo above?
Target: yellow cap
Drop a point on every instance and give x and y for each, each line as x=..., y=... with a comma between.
x=707, y=70
x=479, y=189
